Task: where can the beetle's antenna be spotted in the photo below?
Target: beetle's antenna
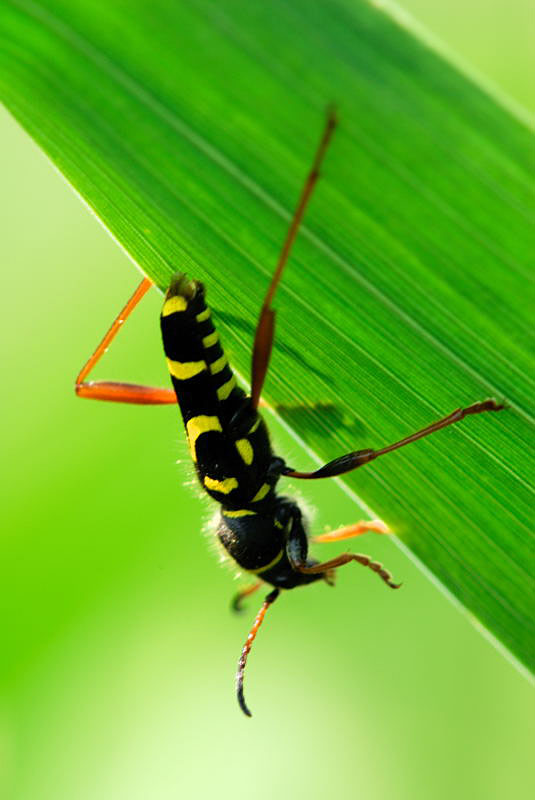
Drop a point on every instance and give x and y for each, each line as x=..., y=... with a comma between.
x=272, y=596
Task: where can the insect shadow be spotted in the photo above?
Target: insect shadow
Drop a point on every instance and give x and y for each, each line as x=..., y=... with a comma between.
x=321, y=418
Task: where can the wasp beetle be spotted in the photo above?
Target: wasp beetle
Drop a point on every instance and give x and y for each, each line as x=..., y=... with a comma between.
x=262, y=531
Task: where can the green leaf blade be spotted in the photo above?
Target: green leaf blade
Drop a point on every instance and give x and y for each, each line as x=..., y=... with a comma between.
x=410, y=289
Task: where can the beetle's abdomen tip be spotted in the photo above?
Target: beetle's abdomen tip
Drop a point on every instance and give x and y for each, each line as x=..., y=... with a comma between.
x=181, y=286
x=182, y=290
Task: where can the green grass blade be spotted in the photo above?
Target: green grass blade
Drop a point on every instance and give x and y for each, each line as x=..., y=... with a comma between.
x=189, y=128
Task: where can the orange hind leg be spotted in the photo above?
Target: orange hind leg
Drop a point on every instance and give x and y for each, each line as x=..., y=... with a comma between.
x=112, y=390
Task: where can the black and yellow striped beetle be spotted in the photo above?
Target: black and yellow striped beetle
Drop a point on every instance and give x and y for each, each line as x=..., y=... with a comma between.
x=263, y=532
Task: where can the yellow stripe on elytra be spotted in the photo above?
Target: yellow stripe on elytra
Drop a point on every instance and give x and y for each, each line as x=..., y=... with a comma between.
x=224, y=391
x=196, y=426
x=261, y=493
x=203, y=315
x=211, y=339
x=225, y=486
x=255, y=426
x=185, y=369
x=241, y=512
x=175, y=303
x=244, y=448
x=267, y=566
x=218, y=365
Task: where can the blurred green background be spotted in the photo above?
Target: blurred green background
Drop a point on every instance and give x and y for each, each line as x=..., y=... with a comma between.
x=118, y=648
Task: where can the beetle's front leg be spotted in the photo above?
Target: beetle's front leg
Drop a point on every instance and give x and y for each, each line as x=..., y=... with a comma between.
x=296, y=539
x=289, y=517
x=297, y=552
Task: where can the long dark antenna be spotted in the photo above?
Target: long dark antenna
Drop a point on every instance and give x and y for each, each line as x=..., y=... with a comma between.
x=272, y=596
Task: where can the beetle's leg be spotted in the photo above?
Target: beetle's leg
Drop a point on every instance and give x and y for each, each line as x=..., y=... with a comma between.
x=346, y=558
x=112, y=390
x=241, y=594
x=266, y=322
x=272, y=596
x=297, y=551
x=350, y=531
x=352, y=461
